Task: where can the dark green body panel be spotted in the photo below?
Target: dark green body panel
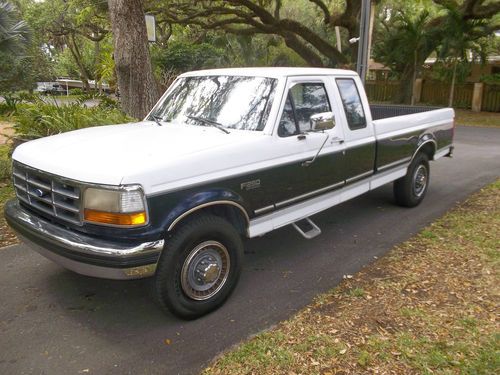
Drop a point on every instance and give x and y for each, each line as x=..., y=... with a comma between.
x=360, y=160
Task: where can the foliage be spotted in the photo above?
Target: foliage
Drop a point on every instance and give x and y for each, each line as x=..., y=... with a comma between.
x=407, y=33
x=491, y=78
x=184, y=56
x=5, y=163
x=14, y=33
x=105, y=63
x=9, y=105
x=443, y=70
x=42, y=119
x=65, y=64
x=14, y=41
x=71, y=33
x=7, y=237
x=305, y=26
x=407, y=40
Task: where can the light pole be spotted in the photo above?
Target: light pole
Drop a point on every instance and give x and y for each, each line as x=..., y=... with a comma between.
x=364, y=39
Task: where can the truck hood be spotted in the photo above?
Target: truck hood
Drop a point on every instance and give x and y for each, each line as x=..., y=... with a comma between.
x=118, y=154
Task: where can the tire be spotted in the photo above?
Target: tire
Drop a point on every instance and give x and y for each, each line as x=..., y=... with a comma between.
x=182, y=285
x=410, y=190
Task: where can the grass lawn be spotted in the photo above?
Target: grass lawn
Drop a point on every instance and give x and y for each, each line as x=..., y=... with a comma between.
x=430, y=306
x=469, y=118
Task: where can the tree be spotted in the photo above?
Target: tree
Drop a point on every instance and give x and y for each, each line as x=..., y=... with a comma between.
x=396, y=34
x=407, y=42
x=14, y=33
x=459, y=39
x=14, y=41
x=70, y=26
x=247, y=17
x=136, y=82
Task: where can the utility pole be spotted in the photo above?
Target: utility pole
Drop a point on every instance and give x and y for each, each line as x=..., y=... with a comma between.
x=364, y=39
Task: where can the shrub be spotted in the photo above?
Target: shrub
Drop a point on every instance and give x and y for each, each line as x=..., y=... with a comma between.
x=491, y=78
x=77, y=92
x=9, y=105
x=42, y=119
x=105, y=102
x=5, y=162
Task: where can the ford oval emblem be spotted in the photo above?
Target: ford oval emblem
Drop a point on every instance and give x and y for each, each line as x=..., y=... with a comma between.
x=39, y=193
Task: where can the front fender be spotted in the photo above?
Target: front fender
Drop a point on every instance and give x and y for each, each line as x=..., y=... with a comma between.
x=182, y=204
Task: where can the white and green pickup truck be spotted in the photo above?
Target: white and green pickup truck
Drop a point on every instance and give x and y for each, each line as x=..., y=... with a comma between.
x=224, y=154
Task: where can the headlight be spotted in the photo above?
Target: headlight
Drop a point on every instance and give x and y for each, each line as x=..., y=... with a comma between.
x=121, y=207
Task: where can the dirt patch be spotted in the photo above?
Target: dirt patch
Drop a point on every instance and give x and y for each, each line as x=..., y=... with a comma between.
x=6, y=131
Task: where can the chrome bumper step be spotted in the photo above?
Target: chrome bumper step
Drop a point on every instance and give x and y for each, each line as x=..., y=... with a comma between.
x=307, y=228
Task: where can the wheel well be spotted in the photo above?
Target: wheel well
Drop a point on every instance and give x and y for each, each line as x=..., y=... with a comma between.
x=234, y=214
x=428, y=148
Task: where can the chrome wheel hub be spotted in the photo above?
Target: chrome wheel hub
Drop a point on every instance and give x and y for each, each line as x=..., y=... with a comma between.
x=420, y=180
x=205, y=270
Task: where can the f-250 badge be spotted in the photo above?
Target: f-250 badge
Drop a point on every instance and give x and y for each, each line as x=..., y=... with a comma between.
x=250, y=185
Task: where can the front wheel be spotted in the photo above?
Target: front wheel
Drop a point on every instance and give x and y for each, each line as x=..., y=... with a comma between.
x=199, y=267
x=410, y=190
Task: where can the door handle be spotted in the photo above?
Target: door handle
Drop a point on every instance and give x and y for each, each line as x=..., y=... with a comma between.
x=336, y=140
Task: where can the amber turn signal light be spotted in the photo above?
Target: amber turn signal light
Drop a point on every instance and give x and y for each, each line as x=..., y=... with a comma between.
x=112, y=218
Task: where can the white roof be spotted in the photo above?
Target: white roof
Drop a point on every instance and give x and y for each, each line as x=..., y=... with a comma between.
x=273, y=72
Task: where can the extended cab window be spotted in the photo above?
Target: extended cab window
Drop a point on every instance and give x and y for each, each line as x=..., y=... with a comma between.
x=303, y=101
x=352, y=103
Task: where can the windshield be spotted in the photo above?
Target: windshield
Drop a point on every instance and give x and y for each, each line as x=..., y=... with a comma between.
x=229, y=101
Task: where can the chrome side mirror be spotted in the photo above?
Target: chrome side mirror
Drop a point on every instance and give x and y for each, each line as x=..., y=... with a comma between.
x=322, y=121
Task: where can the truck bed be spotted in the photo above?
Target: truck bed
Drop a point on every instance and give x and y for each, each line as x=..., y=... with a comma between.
x=381, y=111
x=399, y=129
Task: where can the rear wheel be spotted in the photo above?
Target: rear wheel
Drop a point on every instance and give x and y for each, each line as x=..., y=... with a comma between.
x=410, y=190
x=199, y=266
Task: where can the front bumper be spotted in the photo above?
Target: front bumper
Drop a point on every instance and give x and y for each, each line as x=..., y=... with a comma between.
x=81, y=253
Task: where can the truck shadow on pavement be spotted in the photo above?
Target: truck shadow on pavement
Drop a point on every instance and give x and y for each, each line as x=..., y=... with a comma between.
x=277, y=257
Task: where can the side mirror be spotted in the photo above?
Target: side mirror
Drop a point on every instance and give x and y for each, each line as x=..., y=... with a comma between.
x=322, y=121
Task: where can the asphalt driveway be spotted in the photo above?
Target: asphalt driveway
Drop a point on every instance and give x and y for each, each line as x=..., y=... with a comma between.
x=53, y=321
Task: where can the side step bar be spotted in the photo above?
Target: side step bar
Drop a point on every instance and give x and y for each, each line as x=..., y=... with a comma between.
x=307, y=228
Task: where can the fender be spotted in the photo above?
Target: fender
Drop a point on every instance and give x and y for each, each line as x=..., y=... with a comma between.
x=202, y=199
x=422, y=141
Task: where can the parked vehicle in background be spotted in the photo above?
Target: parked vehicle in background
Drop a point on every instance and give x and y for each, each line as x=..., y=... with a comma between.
x=224, y=154
x=66, y=86
x=52, y=88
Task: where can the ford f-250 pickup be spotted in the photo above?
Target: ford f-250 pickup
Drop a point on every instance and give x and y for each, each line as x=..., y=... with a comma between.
x=224, y=154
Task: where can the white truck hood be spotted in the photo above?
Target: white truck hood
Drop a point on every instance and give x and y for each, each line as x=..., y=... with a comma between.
x=143, y=153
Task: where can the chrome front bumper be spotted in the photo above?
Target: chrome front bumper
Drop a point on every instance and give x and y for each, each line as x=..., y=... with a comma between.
x=82, y=253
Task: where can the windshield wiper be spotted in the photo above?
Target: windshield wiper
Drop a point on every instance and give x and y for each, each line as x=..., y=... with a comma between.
x=157, y=119
x=215, y=124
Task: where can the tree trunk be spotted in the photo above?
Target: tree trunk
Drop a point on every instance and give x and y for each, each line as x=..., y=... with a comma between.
x=453, y=79
x=404, y=92
x=97, y=73
x=414, y=78
x=75, y=52
x=138, y=89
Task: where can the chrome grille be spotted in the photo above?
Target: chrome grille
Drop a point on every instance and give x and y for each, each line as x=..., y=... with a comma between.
x=47, y=193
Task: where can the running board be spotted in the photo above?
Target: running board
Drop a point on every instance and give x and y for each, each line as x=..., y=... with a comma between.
x=307, y=228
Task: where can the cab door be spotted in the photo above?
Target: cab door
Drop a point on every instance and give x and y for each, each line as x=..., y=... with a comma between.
x=359, y=135
x=307, y=96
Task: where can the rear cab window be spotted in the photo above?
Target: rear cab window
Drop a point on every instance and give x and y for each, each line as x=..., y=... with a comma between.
x=351, y=100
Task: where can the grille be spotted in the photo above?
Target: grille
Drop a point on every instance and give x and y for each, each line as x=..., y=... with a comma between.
x=47, y=193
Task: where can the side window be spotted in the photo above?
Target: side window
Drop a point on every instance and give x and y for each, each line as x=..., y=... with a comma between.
x=287, y=125
x=352, y=103
x=303, y=101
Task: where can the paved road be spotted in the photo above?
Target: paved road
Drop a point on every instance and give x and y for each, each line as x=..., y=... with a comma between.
x=55, y=322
